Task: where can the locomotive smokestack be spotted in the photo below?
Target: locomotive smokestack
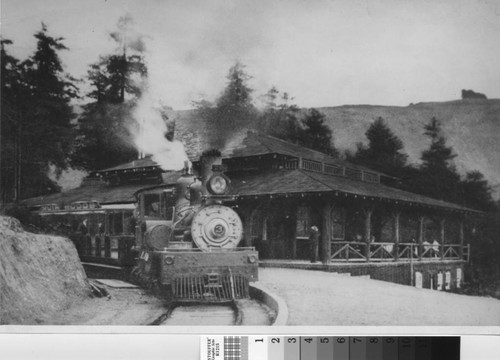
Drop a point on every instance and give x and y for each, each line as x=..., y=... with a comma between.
x=208, y=159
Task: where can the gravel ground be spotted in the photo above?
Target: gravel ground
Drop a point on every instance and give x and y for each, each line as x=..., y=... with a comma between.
x=123, y=307
x=321, y=298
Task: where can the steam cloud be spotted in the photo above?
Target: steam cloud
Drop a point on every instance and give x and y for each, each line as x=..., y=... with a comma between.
x=148, y=134
x=67, y=179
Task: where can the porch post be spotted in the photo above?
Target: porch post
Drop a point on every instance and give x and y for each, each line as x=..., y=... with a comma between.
x=442, y=237
x=420, y=236
x=368, y=232
x=293, y=231
x=395, y=217
x=461, y=238
x=247, y=227
x=326, y=233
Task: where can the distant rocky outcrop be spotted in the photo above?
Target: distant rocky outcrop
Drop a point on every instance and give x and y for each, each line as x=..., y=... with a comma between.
x=470, y=94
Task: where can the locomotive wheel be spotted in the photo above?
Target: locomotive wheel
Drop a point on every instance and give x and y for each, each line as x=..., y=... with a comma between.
x=216, y=226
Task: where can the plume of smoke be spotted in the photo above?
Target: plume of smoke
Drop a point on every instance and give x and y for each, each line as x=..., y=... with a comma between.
x=151, y=135
x=67, y=179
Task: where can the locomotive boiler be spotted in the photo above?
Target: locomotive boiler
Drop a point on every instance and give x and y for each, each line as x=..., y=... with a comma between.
x=188, y=238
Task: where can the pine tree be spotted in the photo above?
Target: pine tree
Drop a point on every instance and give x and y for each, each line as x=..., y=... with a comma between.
x=280, y=117
x=43, y=130
x=315, y=134
x=233, y=109
x=476, y=192
x=117, y=82
x=10, y=115
x=384, y=151
x=439, y=155
x=438, y=175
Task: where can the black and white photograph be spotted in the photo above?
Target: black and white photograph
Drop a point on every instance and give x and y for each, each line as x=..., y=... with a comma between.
x=250, y=164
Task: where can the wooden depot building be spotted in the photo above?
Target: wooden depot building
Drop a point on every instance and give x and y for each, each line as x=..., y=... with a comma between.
x=366, y=227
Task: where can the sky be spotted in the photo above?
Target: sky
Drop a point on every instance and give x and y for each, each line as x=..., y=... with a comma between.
x=322, y=52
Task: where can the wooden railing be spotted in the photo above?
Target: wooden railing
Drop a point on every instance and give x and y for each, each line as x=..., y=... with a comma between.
x=348, y=251
x=387, y=251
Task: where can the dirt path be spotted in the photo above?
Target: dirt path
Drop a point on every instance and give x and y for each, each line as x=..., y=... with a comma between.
x=123, y=307
x=321, y=298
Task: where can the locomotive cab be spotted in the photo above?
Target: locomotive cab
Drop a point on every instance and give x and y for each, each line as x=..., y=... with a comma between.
x=156, y=214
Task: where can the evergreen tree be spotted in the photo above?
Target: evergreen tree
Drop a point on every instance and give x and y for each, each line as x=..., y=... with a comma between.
x=40, y=123
x=280, y=118
x=232, y=110
x=10, y=117
x=483, y=273
x=103, y=139
x=117, y=82
x=384, y=151
x=315, y=134
x=476, y=192
x=438, y=176
x=439, y=155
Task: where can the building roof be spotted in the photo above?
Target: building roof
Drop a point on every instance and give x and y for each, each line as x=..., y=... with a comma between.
x=247, y=143
x=253, y=143
x=101, y=193
x=146, y=162
x=300, y=182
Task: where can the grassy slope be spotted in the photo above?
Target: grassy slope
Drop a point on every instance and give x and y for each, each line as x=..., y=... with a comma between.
x=472, y=127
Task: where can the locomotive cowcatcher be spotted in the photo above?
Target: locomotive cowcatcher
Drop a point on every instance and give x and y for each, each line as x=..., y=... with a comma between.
x=188, y=238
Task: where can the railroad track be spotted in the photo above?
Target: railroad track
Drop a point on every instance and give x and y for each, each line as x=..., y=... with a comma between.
x=240, y=312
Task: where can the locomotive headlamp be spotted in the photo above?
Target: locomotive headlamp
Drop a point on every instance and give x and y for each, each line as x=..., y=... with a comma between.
x=218, y=184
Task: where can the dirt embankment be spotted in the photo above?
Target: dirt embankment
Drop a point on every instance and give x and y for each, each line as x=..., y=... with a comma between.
x=39, y=275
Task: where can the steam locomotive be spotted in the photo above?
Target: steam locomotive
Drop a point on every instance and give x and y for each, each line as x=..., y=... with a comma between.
x=188, y=238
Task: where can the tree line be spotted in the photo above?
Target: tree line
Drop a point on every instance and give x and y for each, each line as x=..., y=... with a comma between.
x=43, y=132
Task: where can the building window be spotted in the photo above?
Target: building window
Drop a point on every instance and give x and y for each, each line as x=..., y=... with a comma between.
x=431, y=230
x=303, y=221
x=452, y=231
x=152, y=205
x=338, y=223
x=264, y=229
x=257, y=226
x=167, y=207
x=353, y=174
x=370, y=177
x=129, y=223
x=117, y=228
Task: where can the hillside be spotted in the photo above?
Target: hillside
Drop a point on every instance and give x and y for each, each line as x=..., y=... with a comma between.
x=40, y=275
x=472, y=127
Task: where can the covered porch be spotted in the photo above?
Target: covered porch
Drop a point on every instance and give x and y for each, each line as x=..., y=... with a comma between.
x=370, y=223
